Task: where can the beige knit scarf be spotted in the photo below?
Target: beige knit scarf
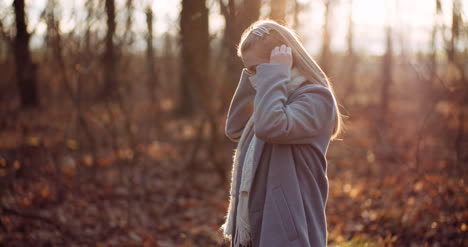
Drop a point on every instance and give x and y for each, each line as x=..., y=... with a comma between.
x=243, y=230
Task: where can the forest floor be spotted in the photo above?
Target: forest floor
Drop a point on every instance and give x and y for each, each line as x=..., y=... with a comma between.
x=55, y=195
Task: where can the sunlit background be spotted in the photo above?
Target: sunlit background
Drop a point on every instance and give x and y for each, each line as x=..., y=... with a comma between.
x=413, y=18
x=113, y=116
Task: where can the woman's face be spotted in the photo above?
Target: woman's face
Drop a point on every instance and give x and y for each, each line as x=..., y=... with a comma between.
x=251, y=58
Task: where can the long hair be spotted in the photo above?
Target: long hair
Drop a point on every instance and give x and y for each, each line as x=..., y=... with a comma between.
x=279, y=35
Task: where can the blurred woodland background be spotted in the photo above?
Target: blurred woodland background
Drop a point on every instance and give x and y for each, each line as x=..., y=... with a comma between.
x=112, y=116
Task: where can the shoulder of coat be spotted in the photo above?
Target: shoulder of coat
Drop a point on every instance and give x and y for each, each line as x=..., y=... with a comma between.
x=309, y=87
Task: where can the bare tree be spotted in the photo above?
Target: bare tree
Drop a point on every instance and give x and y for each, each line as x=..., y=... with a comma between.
x=195, y=41
x=433, y=59
x=278, y=10
x=460, y=79
x=236, y=22
x=110, y=88
x=325, y=57
x=129, y=38
x=352, y=58
x=26, y=69
x=250, y=13
x=384, y=149
x=52, y=36
x=387, y=79
x=90, y=14
x=298, y=8
x=152, y=78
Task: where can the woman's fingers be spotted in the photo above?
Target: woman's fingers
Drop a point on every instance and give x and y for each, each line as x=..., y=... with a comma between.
x=281, y=55
x=275, y=50
x=283, y=48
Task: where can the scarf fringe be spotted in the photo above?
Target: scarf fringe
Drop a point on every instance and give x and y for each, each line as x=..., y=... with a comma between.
x=228, y=224
x=243, y=226
x=242, y=237
x=227, y=227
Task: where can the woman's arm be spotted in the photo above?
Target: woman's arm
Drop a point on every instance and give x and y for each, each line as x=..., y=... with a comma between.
x=297, y=122
x=240, y=108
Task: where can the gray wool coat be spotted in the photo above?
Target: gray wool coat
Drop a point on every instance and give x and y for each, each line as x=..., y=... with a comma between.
x=290, y=184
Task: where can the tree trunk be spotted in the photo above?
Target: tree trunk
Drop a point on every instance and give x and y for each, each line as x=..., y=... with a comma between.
x=25, y=68
x=90, y=14
x=278, y=10
x=428, y=88
x=325, y=55
x=129, y=36
x=195, y=41
x=387, y=80
x=298, y=8
x=458, y=81
x=236, y=23
x=111, y=86
x=351, y=63
x=250, y=13
x=152, y=79
x=383, y=147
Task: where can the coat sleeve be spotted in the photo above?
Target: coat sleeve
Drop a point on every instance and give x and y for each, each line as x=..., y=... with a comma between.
x=297, y=121
x=240, y=108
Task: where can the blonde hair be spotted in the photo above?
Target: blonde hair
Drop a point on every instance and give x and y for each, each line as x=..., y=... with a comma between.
x=279, y=35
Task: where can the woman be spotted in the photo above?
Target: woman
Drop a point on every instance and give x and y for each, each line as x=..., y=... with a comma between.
x=283, y=115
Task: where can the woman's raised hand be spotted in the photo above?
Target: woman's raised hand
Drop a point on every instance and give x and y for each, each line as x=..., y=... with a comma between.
x=282, y=55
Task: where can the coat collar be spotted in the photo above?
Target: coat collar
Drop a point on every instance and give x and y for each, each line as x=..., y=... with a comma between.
x=296, y=79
